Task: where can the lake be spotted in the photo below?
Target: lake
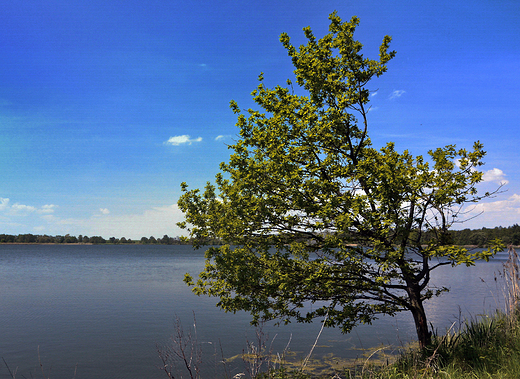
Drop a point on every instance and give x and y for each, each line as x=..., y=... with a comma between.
x=101, y=311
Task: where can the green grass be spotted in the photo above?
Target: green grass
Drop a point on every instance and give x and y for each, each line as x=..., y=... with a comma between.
x=487, y=347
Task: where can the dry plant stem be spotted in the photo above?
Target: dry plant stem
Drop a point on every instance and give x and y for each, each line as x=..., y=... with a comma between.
x=432, y=357
x=285, y=349
x=8, y=369
x=13, y=374
x=306, y=360
x=41, y=365
x=366, y=360
x=512, y=280
x=255, y=355
x=258, y=354
x=167, y=368
x=226, y=372
x=183, y=347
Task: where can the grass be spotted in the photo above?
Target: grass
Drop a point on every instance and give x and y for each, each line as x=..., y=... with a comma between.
x=487, y=347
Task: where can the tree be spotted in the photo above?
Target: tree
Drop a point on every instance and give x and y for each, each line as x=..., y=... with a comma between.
x=70, y=239
x=96, y=239
x=312, y=213
x=166, y=240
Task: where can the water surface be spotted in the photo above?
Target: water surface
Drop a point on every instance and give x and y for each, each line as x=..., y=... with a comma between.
x=102, y=309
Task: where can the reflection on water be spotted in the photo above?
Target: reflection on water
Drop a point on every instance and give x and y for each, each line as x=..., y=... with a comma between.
x=104, y=308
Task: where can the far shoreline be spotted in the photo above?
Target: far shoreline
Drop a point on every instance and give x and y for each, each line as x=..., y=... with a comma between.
x=469, y=247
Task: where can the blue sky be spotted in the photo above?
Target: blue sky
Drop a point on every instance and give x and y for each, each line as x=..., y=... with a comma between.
x=107, y=106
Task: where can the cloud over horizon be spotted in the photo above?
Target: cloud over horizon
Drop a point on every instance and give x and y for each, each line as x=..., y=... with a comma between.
x=156, y=221
x=18, y=209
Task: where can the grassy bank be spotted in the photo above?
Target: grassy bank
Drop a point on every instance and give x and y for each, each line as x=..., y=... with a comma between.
x=486, y=347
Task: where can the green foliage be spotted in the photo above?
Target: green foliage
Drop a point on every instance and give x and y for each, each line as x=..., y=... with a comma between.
x=317, y=221
x=481, y=237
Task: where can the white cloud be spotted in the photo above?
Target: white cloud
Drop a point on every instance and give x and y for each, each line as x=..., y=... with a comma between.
x=499, y=208
x=495, y=175
x=373, y=94
x=20, y=218
x=4, y=203
x=492, y=213
x=511, y=204
x=104, y=211
x=21, y=208
x=48, y=217
x=222, y=137
x=180, y=140
x=47, y=208
x=396, y=94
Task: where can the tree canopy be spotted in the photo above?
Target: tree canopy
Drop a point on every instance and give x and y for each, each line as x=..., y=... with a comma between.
x=313, y=213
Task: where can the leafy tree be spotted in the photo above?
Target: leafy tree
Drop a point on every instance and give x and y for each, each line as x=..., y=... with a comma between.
x=166, y=240
x=70, y=239
x=96, y=239
x=6, y=238
x=26, y=238
x=314, y=214
x=44, y=239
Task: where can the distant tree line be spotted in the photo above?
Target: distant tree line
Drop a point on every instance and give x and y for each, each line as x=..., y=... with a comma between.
x=481, y=237
x=68, y=239
x=476, y=237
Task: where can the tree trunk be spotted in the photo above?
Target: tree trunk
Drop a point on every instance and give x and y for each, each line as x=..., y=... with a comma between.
x=419, y=316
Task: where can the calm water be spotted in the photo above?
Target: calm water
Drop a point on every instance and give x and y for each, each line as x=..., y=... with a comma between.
x=102, y=310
